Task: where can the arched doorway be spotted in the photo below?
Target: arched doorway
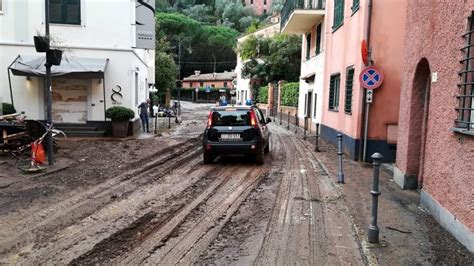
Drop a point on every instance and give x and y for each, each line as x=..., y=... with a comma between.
x=419, y=112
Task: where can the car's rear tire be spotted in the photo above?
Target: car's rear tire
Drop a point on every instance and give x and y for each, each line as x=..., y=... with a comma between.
x=267, y=148
x=207, y=158
x=260, y=157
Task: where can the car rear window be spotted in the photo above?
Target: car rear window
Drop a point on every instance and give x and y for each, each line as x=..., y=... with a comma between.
x=231, y=118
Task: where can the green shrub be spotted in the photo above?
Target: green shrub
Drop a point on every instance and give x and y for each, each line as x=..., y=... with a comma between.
x=289, y=94
x=8, y=109
x=263, y=95
x=119, y=113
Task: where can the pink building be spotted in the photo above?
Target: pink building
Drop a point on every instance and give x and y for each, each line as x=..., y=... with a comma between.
x=260, y=7
x=436, y=129
x=213, y=80
x=344, y=102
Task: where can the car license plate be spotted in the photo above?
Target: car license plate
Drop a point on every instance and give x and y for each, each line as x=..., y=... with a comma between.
x=230, y=137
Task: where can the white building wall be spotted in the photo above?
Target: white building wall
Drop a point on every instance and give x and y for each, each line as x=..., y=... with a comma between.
x=106, y=31
x=314, y=65
x=243, y=85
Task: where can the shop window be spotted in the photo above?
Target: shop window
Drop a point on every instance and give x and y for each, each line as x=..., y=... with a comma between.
x=201, y=84
x=334, y=85
x=225, y=84
x=65, y=11
x=190, y=84
x=349, y=86
x=465, y=97
x=338, y=14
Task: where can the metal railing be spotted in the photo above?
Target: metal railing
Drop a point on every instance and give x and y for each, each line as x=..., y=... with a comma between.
x=291, y=5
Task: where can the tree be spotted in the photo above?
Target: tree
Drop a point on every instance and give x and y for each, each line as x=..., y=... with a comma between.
x=199, y=13
x=277, y=6
x=165, y=71
x=203, y=47
x=271, y=59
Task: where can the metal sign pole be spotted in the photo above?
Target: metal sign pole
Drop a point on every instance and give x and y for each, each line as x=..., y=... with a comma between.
x=369, y=97
x=366, y=128
x=49, y=120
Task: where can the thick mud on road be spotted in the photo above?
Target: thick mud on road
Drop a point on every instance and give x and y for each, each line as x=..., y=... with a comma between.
x=162, y=205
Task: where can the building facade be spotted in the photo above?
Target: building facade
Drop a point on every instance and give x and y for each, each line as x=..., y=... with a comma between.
x=307, y=18
x=212, y=80
x=260, y=7
x=244, y=85
x=344, y=103
x=436, y=128
x=80, y=30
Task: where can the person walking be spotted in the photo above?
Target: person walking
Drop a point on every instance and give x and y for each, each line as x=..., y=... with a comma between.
x=143, y=110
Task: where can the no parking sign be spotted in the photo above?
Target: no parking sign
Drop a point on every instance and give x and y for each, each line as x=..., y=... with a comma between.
x=371, y=78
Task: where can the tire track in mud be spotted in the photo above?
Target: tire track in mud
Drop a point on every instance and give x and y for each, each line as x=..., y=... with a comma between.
x=154, y=198
x=205, y=223
x=124, y=241
x=309, y=226
x=189, y=223
x=239, y=240
x=67, y=212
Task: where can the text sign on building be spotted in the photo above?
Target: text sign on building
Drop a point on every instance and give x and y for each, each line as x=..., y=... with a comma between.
x=145, y=24
x=371, y=78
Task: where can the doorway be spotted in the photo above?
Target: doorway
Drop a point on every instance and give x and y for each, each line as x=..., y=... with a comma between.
x=418, y=128
x=69, y=100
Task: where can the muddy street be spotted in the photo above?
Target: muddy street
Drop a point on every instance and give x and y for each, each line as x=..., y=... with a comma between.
x=164, y=206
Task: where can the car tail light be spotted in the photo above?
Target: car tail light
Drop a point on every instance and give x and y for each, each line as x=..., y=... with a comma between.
x=209, y=120
x=253, y=118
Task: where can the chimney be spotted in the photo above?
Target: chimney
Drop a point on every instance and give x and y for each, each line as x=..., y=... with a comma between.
x=197, y=72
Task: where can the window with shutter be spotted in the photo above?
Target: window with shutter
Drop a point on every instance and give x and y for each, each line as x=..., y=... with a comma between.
x=308, y=46
x=349, y=86
x=65, y=11
x=338, y=14
x=318, y=39
x=334, y=85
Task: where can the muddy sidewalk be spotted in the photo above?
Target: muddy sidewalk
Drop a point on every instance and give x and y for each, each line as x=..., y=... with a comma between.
x=408, y=234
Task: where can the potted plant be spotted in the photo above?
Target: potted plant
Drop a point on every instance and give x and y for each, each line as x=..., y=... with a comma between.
x=120, y=117
x=54, y=56
x=41, y=43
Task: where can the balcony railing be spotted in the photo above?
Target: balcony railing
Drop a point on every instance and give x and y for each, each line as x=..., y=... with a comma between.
x=291, y=5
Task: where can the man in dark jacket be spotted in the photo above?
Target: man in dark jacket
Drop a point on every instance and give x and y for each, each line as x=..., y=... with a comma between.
x=143, y=109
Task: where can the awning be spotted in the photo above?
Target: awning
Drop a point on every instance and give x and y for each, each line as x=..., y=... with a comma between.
x=76, y=67
x=309, y=77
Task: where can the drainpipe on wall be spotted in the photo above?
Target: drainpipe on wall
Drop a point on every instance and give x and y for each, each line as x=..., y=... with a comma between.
x=365, y=113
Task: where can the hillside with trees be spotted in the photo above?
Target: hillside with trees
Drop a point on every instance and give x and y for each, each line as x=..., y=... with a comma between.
x=200, y=35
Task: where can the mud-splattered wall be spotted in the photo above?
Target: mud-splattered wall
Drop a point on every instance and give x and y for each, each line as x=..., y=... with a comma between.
x=70, y=100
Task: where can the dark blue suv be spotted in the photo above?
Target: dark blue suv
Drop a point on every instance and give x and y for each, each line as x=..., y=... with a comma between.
x=236, y=130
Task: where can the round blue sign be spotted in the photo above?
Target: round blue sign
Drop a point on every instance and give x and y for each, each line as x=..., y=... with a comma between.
x=371, y=78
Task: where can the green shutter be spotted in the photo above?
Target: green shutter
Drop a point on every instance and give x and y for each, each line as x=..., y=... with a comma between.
x=73, y=12
x=355, y=5
x=349, y=87
x=334, y=85
x=55, y=11
x=318, y=39
x=338, y=14
x=308, y=46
